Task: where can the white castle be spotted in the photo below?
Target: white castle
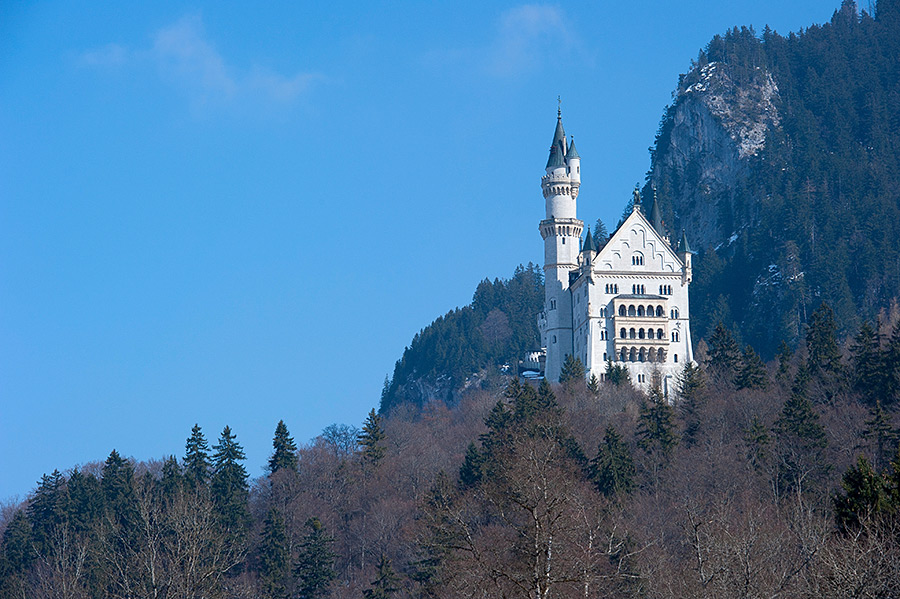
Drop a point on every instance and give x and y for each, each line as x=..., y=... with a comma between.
x=624, y=299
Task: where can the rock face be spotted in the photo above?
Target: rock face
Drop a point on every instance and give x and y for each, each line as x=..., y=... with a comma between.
x=713, y=130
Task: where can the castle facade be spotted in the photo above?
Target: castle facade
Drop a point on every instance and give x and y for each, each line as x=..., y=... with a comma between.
x=622, y=300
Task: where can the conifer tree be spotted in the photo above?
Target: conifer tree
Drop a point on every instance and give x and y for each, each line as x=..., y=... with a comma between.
x=891, y=363
x=471, y=471
x=84, y=501
x=821, y=341
x=785, y=353
x=881, y=435
x=172, y=479
x=724, y=352
x=866, y=494
x=594, y=385
x=751, y=371
x=371, y=439
x=757, y=439
x=16, y=556
x=691, y=382
x=47, y=509
x=315, y=565
x=196, y=458
x=800, y=438
x=613, y=469
x=274, y=559
x=385, y=584
x=285, y=454
x=656, y=426
x=617, y=374
x=868, y=370
x=117, y=485
x=572, y=370
x=228, y=483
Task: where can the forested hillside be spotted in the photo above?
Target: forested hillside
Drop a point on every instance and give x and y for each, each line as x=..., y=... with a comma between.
x=781, y=155
x=756, y=481
x=457, y=349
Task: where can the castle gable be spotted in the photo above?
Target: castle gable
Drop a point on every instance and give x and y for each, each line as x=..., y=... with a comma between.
x=637, y=246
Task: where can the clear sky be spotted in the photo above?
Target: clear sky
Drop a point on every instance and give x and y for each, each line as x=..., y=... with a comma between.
x=235, y=213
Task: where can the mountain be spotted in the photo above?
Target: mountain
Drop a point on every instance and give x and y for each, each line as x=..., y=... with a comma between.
x=454, y=351
x=780, y=156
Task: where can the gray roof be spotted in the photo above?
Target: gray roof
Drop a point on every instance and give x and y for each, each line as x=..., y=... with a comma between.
x=683, y=245
x=589, y=245
x=572, y=153
x=558, y=147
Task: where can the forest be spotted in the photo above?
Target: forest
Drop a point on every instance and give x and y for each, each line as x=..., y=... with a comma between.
x=816, y=215
x=757, y=480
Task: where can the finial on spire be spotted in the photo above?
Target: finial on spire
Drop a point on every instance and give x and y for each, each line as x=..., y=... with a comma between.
x=558, y=107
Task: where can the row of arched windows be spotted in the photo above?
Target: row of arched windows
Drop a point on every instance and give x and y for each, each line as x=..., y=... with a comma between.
x=641, y=311
x=643, y=354
x=643, y=334
x=665, y=290
x=637, y=289
x=612, y=288
x=637, y=260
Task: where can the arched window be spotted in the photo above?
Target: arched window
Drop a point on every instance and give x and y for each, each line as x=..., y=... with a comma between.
x=642, y=356
x=640, y=311
x=659, y=312
x=553, y=304
x=660, y=334
x=632, y=355
x=623, y=355
x=637, y=259
x=631, y=311
x=616, y=288
x=674, y=335
x=640, y=333
x=604, y=359
x=651, y=355
x=622, y=310
x=642, y=290
x=676, y=358
x=631, y=333
x=673, y=313
x=649, y=310
x=649, y=333
x=622, y=333
x=554, y=338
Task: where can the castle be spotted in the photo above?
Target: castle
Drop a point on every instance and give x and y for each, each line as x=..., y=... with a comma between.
x=622, y=299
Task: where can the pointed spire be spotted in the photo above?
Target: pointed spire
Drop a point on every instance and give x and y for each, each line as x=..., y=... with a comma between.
x=589, y=245
x=572, y=153
x=683, y=245
x=656, y=215
x=558, y=147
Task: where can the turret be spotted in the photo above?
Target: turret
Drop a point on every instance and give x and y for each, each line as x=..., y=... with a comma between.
x=573, y=165
x=588, y=250
x=655, y=216
x=684, y=253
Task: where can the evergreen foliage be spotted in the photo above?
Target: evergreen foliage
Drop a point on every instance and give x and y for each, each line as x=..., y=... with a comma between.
x=821, y=342
x=285, y=454
x=594, y=385
x=371, y=439
x=497, y=328
x=386, y=582
x=228, y=483
x=724, y=351
x=751, y=371
x=572, y=370
x=196, y=458
x=868, y=371
x=657, y=434
x=866, y=494
x=315, y=565
x=617, y=373
x=816, y=217
x=613, y=468
x=274, y=557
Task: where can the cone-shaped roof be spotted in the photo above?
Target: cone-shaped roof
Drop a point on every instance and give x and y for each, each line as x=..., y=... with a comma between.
x=683, y=245
x=572, y=153
x=589, y=245
x=558, y=147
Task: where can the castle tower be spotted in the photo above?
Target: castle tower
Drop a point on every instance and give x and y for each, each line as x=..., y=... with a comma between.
x=561, y=231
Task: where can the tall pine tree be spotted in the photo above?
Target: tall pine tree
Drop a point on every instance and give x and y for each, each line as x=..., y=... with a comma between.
x=229, y=481
x=196, y=458
x=285, y=454
x=315, y=565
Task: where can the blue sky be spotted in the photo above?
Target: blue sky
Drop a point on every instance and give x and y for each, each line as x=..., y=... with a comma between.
x=217, y=213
